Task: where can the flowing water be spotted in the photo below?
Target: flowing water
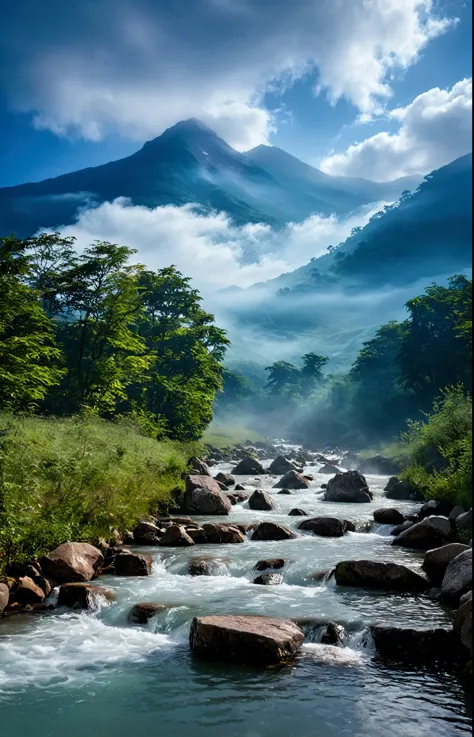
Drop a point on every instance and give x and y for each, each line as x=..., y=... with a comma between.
x=67, y=673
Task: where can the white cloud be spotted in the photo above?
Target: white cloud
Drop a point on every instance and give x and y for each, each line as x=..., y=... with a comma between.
x=137, y=67
x=434, y=129
x=209, y=248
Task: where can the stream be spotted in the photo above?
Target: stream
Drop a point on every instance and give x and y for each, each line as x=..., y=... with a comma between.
x=74, y=674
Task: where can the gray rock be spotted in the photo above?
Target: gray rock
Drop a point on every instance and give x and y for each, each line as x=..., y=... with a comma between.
x=416, y=646
x=146, y=533
x=4, y=597
x=437, y=560
x=297, y=513
x=272, y=563
x=324, y=526
x=281, y=465
x=176, y=537
x=328, y=468
x=350, y=486
x=401, y=528
x=132, y=564
x=217, y=533
x=292, y=480
x=464, y=521
x=198, y=467
x=273, y=531
x=248, y=466
x=225, y=478
x=431, y=532
x=388, y=516
x=436, y=507
x=204, y=496
x=463, y=621
x=333, y=634
x=455, y=512
x=457, y=579
x=144, y=611
x=379, y=575
x=261, y=501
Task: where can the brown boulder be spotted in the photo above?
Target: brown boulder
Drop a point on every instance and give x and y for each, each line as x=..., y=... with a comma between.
x=4, y=597
x=420, y=645
x=141, y=613
x=263, y=565
x=207, y=567
x=261, y=501
x=249, y=466
x=436, y=560
x=328, y=468
x=292, y=480
x=281, y=465
x=273, y=531
x=324, y=526
x=431, y=532
x=269, y=579
x=221, y=533
x=82, y=595
x=463, y=621
x=350, y=486
x=146, y=533
x=225, y=478
x=457, y=579
x=204, y=496
x=378, y=575
x=73, y=562
x=333, y=634
x=297, y=513
x=388, y=516
x=27, y=591
x=176, y=537
x=132, y=564
x=247, y=639
x=198, y=466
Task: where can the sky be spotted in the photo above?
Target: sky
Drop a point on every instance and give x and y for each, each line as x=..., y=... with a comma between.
x=373, y=88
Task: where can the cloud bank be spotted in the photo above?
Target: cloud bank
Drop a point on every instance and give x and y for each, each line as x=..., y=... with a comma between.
x=434, y=129
x=92, y=67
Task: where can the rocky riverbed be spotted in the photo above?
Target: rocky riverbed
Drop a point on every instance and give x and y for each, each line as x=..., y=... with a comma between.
x=298, y=568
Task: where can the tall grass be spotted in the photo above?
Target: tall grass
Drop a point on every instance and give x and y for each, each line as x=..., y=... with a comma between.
x=78, y=479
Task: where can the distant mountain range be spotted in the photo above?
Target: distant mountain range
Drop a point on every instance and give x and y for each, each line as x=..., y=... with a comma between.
x=189, y=163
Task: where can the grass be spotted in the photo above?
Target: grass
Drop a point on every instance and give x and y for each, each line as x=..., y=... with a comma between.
x=78, y=479
x=223, y=435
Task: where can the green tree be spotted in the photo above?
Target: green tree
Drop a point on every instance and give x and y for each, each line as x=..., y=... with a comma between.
x=283, y=377
x=312, y=372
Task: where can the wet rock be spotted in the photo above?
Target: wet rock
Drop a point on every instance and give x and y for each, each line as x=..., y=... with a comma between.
x=401, y=528
x=464, y=521
x=463, y=621
x=437, y=560
x=206, y=567
x=273, y=531
x=388, y=516
x=455, y=512
x=198, y=467
x=197, y=534
x=245, y=527
x=204, y=496
x=417, y=646
x=4, y=597
x=225, y=478
x=297, y=513
x=225, y=534
x=254, y=640
x=400, y=491
x=82, y=595
x=329, y=468
x=269, y=579
x=147, y=533
x=285, y=491
x=349, y=526
x=233, y=499
x=292, y=480
x=27, y=592
x=308, y=477
x=144, y=611
x=222, y=486
x=273, y=563
x=180, y=521
x=239, y=487
x=457, y=579
x=323, y=486
x=132, y=564
x=248, y=466
x=435, y=507
x=378, y=575
x=350, y=486
x=261, y=501
x=176, y=537
x=323, y=526
x=333, y=634
x=323, y=575
x=128, y=538
x=240, y=496
x=281, y=465
x=379, y=465
x=73, y=562
x=431, y=532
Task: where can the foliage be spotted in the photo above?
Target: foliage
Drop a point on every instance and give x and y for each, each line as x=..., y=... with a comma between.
x=78, y=479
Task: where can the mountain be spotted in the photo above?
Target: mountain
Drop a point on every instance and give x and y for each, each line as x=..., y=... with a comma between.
x=189, y=163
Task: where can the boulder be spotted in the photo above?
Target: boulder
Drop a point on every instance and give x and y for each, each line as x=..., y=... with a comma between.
x=388, y=516
x=457, y=579
x=4, y=597
x=261, y=500
x=292, y=480
x=239, y=487
x=401, y=491
x=247, y=639
x=349, y=525
x=378, y=575
x=176, y=537
x=463, y=621
x=323, y=526
x=379, y=465
x=82, y=595
x=146, y=533
x=401, y=528
x=431, y=532
x=233, y=500
x=350, y=486
x=240, y=496
x=204, y=496
x=73, y=562
x=127, y=563
x=225, y=478
x=207, y=567
x=437, y=560
x=329, y=468
x=273, y=531
x=26, y=591
x=225, y=534
x=436, y=507
x=455, y=512
x=269, y=579
x=248, y=466
x=417, y=646
x=197, y=534
x=297, y=513
x=198, y=466
x=464, y=521
x=333, y=634
x=281, y=465
x=271, y=563
x=285, y=491
x=144, y=611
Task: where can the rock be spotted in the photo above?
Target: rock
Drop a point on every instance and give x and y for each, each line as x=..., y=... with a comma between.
x=225, y=478
x=292, y=480
x=247, y=639
x=197, y=534
x=4, y=597
x=421, y=645
x=431, y=532
x=269, y=579
x=73, y=562
x=176, y=537
x=435, y=507
x=260, y=500
x=323, y=575
x=379, y=465
x=297, y=513
x=128, y=537
x=240, y=496
x=323, y=526
x=248, y=466
x=437, y=560
x=388, y=516
x=233, y=499
x=377, y=575
x=281, y=465
x=285, y=491
x=27, y=592
x=401, y=528
x=82, y=595
x=198, y=466
x=324, y=486
x=245, y=527
x=333, y=634
x=463, y=621
x=222, y=486
x=350, y=526
x=132, y=564
x=239, y=487
x=219, y=533
x=147, y=533
x=273, y=563
x=204, y=496
x=457, y=579
x=273, y=531
x=455, y=512
x=464, y=521
x=403, y=492
x=328, y=468
x=180, y=521
x=308, y=476
x=146, y=610
x=207, y=567
x=350, y=486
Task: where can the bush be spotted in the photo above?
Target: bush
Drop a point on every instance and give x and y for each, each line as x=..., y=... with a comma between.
x=78, y=479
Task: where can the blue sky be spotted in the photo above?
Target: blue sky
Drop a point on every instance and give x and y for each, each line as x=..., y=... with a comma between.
x=98, y=78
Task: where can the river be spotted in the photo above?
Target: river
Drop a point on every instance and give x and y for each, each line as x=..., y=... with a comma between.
x=68, y=674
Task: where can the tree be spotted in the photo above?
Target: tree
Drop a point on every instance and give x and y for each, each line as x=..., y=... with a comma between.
x=312, y=372
x=282, y=377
